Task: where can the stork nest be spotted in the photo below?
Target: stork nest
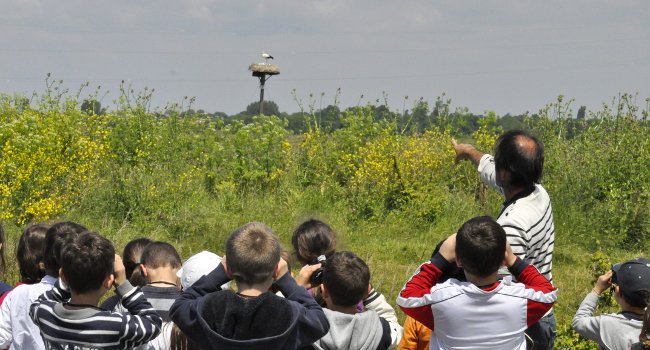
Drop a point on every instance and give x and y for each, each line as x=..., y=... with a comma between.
x=264, y=68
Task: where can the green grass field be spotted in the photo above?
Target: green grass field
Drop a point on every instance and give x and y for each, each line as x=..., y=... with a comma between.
x=391, y=197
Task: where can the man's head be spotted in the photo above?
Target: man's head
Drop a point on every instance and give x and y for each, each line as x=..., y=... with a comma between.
x=633, y=280
x=521, y=155
x=346, y=278
x=252, y=254
x=87, y=262
x=55, y=238
x=480, y=246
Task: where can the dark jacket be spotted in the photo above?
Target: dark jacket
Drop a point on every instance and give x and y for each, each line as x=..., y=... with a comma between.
x=217, y=319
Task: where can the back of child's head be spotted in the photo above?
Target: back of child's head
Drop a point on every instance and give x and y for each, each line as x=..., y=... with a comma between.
x=633, y=280
x=55, y=238
x=160, y=254
x=30, y=253
x=132, y=256
x=252, y=253
x=346, y=278
x=86, y=261
x=312, y=239
x=481, y=246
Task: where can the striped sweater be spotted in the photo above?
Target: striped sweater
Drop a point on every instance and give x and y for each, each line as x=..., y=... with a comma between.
x=527, y=220
x=94, y=328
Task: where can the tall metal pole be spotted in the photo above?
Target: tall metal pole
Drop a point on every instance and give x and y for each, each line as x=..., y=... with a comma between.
x=262, y=81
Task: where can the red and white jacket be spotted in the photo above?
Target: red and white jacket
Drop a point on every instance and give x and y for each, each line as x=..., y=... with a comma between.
x=464, y=316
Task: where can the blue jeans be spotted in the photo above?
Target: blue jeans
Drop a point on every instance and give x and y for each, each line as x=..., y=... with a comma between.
x=543, y=332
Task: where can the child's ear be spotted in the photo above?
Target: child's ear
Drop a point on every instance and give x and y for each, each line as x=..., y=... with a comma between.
x=108, y=281
x=144, y=270
x=323, y=291
x=62, y=276
x=458, y=262
x=226, y=267
x=276, y=270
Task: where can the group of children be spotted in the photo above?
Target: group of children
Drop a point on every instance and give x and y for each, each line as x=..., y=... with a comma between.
x=455, y=300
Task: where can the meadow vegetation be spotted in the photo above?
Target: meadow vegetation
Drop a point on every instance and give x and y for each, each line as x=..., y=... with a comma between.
x=389, y=186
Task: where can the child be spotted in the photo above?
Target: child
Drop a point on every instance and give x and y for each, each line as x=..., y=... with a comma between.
x=346, y=281
x=252, y=318
x=631, y=281
x=132, y=258
x=16, y=328
x=416, y=335
x=311, y=239
x=159, y=264
x=29, y=254
x=195, y=267
x=482, y=313
x=131, y=254
x=70, y=319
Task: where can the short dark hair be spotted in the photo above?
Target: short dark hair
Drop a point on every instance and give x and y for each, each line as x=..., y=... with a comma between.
x=524, y=161
x=131, y=256
x=86, y=261
x=481, y=246
x=160, y=254
x=29, y=253
x=346, y=277
x=312, y=239
x=252, y=253
x=55, y=238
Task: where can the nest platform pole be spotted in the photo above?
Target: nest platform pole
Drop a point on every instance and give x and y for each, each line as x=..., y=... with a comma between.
x=262, y=81
x=263, y=71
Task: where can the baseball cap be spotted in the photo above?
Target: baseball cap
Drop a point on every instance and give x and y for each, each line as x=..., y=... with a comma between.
x=633, y=278
x=197, y=266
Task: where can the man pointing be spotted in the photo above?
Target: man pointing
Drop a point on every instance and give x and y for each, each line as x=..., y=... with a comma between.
x=515, y=171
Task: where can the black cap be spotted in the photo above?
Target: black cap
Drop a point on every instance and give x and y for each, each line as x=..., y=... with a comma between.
x=633, y=278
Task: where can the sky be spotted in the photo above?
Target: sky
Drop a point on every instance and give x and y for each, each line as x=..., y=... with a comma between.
x=503, y=56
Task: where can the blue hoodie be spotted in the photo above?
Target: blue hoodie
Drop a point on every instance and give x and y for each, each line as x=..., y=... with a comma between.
x=217, y=319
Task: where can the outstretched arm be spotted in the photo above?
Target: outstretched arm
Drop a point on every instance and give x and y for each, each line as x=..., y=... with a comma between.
x=465, y=151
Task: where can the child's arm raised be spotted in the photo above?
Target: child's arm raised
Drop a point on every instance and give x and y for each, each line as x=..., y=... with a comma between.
x=377, y=302
x=583, y=322
x=185, y=311
x=413, y=297
x=538, y=303
x=141, y=323
x=312, y=323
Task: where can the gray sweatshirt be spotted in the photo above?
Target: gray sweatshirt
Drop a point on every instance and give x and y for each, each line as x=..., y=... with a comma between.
x=610, y=331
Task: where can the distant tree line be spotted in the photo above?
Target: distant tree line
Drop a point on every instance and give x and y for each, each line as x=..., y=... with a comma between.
x=422, y=116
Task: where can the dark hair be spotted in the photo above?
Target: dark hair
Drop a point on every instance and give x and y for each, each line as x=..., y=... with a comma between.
x=481, y=246
x=252, y=253
x=522, y=155
x=3, y=263
x=644, y=337
x=131, y=255
x=29, y=253
x=160, y=254
x=55, y=238
x=640, y=298
x=178, y=340
x=312, y=239
x=86, y=261
x=346, y=278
